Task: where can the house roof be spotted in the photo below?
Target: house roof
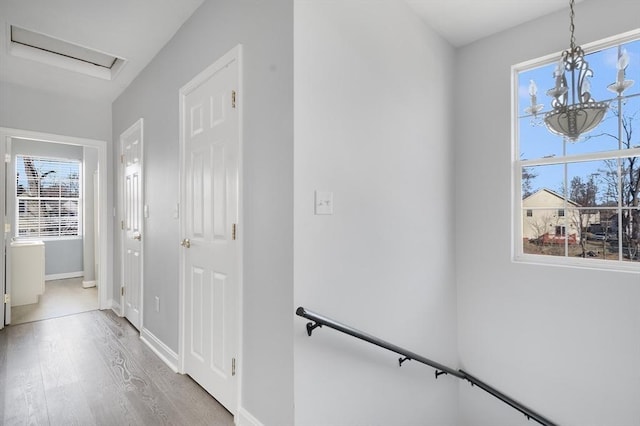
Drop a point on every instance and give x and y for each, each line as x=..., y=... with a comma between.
x=553, y=193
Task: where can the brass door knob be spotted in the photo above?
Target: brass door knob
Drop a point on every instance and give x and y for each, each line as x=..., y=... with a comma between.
x=186, y=243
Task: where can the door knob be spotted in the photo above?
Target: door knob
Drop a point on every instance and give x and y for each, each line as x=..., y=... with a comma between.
x=186, y=243
x=137, y=236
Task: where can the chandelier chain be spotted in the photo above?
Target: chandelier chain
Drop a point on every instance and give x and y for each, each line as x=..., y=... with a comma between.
x=572, y=26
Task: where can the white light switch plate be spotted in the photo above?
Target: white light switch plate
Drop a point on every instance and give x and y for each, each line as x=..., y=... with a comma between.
x=324, y=202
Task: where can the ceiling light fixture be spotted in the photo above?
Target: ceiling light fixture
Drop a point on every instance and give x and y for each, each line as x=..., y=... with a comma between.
x=574, y=110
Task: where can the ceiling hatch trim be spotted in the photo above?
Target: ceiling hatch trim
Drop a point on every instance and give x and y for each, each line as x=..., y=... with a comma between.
x=49, y=50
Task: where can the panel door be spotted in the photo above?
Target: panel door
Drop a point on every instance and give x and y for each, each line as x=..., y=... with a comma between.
x=209, y=220
x=131, y=223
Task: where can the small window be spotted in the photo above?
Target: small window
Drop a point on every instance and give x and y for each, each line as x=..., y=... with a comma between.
x=561, y=213
x=47, y=197
x=529, y=213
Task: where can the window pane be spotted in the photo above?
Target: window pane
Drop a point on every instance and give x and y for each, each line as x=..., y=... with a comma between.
x=534, y=139
x=539, y=178
x=593, y=183
x=544, y=232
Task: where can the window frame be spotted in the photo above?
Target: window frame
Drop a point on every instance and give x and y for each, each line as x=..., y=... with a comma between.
x=80, y=200
x=517, y=165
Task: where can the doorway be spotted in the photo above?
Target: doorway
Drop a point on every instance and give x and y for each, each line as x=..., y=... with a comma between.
x=96, y=271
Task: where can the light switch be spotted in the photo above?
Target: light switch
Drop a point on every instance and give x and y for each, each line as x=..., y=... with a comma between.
x=324, y=202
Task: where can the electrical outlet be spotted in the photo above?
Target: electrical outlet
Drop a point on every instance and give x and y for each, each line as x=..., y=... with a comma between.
x=157, y=304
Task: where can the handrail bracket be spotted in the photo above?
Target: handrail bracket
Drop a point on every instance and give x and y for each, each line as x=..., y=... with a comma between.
x=439, y=373
x=401, y=360
x=311, y=326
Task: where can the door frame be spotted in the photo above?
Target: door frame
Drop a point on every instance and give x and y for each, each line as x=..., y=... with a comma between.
x=235, y=54
x=103, y=274
x=138, y=124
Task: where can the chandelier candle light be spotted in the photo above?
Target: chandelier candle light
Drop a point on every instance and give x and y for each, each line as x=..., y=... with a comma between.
x=584, y=113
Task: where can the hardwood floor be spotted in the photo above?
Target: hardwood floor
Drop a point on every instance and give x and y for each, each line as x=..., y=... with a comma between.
x=93, y=369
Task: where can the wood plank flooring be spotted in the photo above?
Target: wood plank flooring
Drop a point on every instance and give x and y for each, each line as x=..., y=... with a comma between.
x=93, y=369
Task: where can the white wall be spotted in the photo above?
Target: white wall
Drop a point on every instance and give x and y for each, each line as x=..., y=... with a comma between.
x=562, y=340
x=373, y=124
x=265, y=30
x=30, y=109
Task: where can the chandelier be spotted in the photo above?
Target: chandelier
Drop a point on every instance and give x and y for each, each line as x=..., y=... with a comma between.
x=574, y=111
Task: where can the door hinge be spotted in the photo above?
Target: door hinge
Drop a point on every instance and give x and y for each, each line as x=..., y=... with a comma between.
x=7, y=157
x=233, y=366
x=233, y=99
x=122, y=225
x=233, y=231
x=122, y=158
x=7, y=299
x=122, y=291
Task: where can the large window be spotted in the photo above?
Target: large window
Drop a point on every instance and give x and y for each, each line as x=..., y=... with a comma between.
x=578, y=202
x=47, y=197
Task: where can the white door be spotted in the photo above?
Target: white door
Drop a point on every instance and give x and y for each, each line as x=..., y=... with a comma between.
x=210, y=148
x=131, y=222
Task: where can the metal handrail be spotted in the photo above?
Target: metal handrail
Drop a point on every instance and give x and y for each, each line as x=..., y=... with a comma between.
x=320, y=320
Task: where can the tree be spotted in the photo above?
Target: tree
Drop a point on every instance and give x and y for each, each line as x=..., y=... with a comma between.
x=528, y=175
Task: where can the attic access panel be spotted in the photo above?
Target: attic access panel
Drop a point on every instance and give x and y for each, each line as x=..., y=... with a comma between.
x=43, y=48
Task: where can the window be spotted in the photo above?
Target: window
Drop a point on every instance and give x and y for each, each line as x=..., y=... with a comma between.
x=47, y=197
x=578, y=202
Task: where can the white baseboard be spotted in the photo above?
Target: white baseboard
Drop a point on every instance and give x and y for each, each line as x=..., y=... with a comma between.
x=63, y=276
x=163, y=351
x=245, y=418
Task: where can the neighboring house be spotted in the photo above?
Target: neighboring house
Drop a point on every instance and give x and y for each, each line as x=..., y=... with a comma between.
x=546, y=215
